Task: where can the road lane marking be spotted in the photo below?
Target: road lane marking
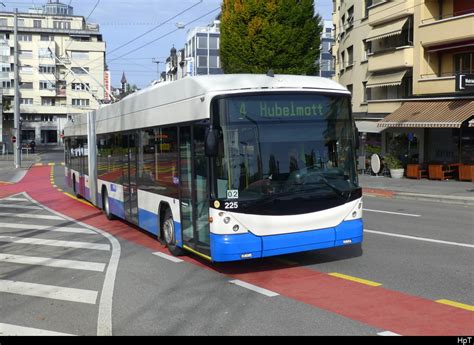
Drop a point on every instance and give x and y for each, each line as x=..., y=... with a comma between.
x=49, y=262
x=456, y=304
x=168, y=257
x=85, y=202
x=24, y=207
x=30, y=215
x=420, y=238
x=354, y=279
x=49, y=291
x=104, y=318
x=254, y=288
x=396, y=213
x=66, y=229
x=388, y=334
x=15, y=199
x=54, y=243
x=12, y=330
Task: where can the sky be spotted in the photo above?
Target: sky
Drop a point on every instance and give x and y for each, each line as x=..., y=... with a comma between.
x=138, y=32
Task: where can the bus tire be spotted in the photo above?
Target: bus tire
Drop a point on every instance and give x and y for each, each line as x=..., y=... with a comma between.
x=106, y=205
x=169, y=236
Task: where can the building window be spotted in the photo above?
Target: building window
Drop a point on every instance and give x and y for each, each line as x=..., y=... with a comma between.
x=214, y=62
x=80, y=86
x=202, y=61
x=3, y=22
x=26, y=85
x=213, y=42
x=26, y=101
x=37, y=24
x=78, y=102
x=49, y=102
x=28, y=54
x=350, y=56
x=44, y=53
x=47, y=38
x=464, y=63
x=21, y=22
x=343, y=61
x=45, y=69
x=62, y=25
x=79, y=55
x=202, y=42
x=79, y=70
x=46, y=85
x=25, y=38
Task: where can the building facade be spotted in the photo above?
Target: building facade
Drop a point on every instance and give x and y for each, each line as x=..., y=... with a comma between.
x=402, y=59
x=61, y=71
x=326, y=65
x=201, y=50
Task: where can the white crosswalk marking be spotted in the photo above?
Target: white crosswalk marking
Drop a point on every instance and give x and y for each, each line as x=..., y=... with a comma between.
x=23, y=207
x=47, y=228
x=12, y=330
x=16, y=199
x=55, y=243
x=49, y=291
x=70, y=264
x=30, y=215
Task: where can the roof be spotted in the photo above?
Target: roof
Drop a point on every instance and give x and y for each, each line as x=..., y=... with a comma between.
x=430, y=114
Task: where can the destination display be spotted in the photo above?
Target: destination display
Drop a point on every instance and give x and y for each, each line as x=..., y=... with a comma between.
x=282, y=108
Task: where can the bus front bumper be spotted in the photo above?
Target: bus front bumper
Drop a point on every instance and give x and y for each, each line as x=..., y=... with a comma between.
x=249, y=246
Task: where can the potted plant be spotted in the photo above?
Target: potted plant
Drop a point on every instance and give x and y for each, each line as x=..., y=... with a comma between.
x=394, y=165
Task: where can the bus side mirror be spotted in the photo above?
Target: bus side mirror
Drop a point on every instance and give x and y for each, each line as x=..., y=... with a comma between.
x=212, y=142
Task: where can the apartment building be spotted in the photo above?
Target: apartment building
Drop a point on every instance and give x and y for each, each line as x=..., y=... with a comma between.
x=403, y=61
x=326, y=65
x=61, y=71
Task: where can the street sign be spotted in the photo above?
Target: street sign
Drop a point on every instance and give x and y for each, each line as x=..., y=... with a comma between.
x=465, y=82
x=13, y=139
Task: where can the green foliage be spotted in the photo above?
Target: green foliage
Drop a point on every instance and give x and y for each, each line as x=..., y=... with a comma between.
x=392, y=162
x=259, y=35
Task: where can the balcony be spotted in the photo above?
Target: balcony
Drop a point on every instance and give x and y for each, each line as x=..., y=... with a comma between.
x=386, y=11
x=398, y=58
x=433, y=84
x=450, y=30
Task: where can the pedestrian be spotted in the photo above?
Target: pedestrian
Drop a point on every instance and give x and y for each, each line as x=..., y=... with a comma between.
x=32, y=146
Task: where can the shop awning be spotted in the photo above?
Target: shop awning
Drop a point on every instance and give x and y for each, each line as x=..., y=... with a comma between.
x=431, y=114
x=368, y=127
x=387, y=30
x=391, y=79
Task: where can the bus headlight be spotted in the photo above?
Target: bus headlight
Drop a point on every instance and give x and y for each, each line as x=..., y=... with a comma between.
x=226, y=220
x=236, y=228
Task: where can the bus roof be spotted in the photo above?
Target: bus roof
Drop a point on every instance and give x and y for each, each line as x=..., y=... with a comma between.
x=169, y=102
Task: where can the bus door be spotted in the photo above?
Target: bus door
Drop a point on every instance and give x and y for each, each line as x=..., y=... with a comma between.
x=194, y=191
x=129, y=173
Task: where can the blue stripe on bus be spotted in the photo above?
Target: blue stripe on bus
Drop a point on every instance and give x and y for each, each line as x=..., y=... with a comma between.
x=148, y=221
x=238, y=247
x=116, y=207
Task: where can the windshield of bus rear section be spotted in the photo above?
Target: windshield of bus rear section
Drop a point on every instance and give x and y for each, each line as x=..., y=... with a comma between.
x=285, y=144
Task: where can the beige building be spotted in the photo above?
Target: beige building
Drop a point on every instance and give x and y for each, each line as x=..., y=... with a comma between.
x=61, y=69
x=402, y=59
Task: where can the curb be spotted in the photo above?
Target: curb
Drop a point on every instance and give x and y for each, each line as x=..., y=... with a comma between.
x=383, y=193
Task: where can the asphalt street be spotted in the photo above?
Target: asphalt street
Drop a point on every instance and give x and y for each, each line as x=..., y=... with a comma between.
x=414, y=252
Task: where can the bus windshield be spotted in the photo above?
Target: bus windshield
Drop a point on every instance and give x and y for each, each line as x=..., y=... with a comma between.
x=282, y=145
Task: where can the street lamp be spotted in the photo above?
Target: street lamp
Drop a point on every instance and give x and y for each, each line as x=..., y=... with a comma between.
x=157, y=67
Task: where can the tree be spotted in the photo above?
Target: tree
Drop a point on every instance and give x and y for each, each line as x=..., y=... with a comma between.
x=259, y=35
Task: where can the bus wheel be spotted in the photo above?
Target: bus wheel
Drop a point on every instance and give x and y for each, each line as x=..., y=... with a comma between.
x=106, y=205
x=168, y=231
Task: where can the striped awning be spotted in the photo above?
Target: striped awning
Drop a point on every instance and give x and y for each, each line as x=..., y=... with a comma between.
x=390, y=79
x=368, y=127
x=387, y=30
x=431, y=114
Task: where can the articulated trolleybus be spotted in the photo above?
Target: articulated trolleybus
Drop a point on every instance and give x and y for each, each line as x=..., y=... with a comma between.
x=229, y=167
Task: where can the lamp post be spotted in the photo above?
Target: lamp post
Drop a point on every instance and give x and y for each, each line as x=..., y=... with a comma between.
x=154, y=60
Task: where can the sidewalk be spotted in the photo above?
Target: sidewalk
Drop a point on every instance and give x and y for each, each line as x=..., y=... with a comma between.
x=8, y=173
x=450, y=191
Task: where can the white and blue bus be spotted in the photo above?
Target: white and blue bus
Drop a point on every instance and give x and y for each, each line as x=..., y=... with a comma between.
x=229, y=167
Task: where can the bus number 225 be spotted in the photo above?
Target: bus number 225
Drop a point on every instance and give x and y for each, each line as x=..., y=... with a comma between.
x=231, y=205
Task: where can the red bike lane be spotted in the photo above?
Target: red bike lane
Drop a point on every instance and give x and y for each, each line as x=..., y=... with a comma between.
x=377, y=307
